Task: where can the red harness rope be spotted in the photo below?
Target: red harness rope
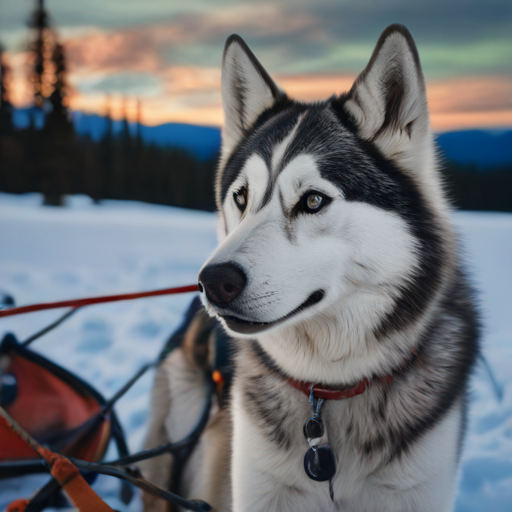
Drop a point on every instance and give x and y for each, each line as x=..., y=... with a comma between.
x=77, y=303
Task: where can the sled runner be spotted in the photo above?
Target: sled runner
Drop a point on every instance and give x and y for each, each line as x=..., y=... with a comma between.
x=51, y=419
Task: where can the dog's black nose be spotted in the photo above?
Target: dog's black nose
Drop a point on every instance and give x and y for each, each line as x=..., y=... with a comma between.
x=223, y=283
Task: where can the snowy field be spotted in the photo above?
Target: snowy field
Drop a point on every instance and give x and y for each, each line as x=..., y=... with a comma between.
x=49, y=254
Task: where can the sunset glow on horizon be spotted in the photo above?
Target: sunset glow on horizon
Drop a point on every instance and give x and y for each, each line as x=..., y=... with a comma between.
x=448, y=110
x=168, y=56
x=471, y=102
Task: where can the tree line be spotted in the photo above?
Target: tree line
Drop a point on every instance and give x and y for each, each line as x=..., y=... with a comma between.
x=471, y=188
x=55, y=160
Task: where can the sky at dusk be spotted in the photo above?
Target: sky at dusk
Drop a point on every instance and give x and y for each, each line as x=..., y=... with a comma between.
x=168, y=53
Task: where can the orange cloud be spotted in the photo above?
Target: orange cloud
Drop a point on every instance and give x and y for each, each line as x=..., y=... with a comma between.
x=470, y=102
x=314, y=87
x=141, y=48
x=20, y=90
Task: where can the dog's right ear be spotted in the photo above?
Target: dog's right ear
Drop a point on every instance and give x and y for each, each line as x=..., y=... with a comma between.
x=247, y=91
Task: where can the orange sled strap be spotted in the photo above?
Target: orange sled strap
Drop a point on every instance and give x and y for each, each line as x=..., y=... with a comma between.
x=68, y=476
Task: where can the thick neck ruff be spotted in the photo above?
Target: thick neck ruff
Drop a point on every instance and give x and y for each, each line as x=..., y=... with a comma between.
x=320, y=460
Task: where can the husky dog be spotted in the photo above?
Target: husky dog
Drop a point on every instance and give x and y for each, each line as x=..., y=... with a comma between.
x=337, y=267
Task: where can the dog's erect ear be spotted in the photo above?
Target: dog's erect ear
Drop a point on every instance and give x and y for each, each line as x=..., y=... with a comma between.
x=247, y=91
x=388, y=100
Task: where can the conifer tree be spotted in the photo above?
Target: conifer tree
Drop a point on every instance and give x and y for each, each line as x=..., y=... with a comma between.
x=5, y=104
x=39, y=22
x=105, y=148
x=50, y=91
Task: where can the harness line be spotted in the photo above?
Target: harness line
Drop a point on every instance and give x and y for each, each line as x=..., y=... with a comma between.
x=77, y=303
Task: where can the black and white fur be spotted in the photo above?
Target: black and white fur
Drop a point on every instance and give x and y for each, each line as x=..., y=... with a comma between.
x=369, y=286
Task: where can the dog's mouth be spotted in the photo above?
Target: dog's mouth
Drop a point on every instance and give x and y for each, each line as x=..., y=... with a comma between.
x=242, y=326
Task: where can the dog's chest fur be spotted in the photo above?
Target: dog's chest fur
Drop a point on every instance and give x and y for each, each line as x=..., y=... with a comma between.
x=384, y=440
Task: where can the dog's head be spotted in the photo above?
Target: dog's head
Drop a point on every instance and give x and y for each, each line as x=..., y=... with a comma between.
x=326, y=208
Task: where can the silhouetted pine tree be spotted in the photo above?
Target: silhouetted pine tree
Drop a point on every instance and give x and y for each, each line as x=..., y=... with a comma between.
x=122, y=157
x=138, y=126
x=105, y=149
x=8, y=142
x=39, y=22
x=5, y=104
x=50, y=91
x=60, y=136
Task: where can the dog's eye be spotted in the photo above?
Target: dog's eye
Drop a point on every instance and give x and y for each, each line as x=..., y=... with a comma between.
x=313, y=202
x=240, y=198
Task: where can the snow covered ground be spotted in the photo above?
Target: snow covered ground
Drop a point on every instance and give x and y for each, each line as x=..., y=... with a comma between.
x=51, y=254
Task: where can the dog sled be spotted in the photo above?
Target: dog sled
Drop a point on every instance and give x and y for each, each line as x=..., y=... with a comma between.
x=52, y=421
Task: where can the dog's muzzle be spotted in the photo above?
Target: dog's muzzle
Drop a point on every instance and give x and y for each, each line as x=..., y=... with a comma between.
x=222, y=283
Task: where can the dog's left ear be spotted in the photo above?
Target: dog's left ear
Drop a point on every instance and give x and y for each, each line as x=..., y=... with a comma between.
x=388, y=100
x=247, y=91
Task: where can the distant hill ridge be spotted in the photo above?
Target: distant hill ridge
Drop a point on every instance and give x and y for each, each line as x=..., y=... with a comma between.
x=482, y=148
x=202, y=141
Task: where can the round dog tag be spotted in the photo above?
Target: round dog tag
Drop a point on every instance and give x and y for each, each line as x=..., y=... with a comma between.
x=319, y=463
x=313, y=428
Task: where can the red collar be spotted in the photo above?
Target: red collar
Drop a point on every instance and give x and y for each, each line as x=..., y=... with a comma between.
x=328, y=392
x=331, y=393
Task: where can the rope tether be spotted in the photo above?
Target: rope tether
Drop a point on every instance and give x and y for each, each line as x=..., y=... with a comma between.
x=77, y=303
